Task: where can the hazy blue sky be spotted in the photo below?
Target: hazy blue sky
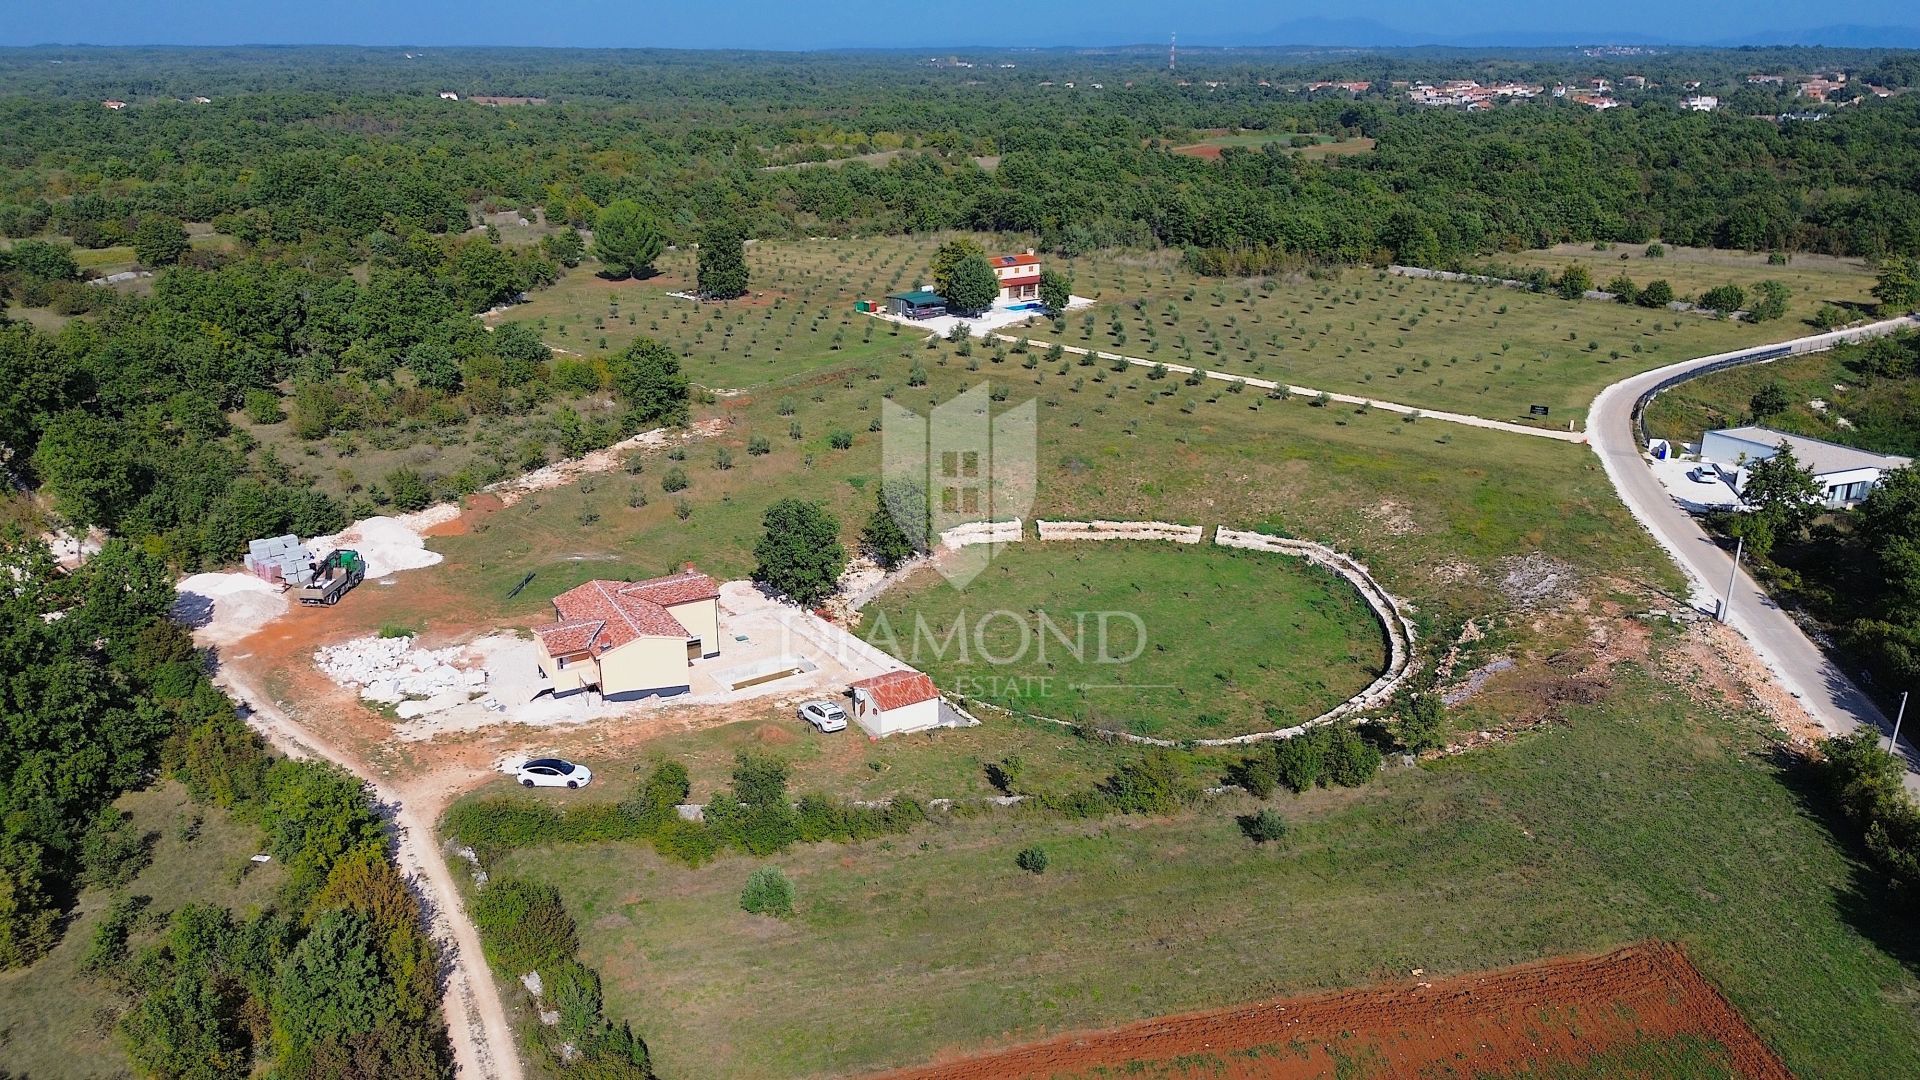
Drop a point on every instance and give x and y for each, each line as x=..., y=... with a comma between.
x=830, y=23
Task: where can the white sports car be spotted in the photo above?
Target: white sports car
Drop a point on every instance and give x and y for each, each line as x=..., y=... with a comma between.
x=553, y=772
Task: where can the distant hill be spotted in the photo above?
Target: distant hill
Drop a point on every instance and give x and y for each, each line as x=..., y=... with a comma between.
x=1366, y=33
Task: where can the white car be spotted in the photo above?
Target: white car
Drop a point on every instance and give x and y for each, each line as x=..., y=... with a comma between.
x=1707, y=473
x=824, y=715
x=553, y=772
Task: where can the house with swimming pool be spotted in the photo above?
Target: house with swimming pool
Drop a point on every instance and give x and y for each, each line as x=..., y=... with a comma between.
x=1019, y=276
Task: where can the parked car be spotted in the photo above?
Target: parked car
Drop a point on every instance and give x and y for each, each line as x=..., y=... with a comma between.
x=553, y=772
x=824, y=715
x=1707, y=473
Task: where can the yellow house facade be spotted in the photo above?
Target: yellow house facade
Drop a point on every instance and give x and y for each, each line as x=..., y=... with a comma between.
x=630, y=639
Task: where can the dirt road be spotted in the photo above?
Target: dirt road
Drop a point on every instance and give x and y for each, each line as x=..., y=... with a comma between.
x=477, y=1025
x=1797, y=664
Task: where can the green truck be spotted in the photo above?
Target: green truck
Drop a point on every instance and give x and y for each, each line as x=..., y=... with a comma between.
x=333, y=576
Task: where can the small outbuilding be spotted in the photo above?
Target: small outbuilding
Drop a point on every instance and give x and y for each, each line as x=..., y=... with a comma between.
x=894, y=702
x=1846, y=474
x=916, y=304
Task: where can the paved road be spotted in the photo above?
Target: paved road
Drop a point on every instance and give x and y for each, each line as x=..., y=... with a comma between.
x=1797, y=663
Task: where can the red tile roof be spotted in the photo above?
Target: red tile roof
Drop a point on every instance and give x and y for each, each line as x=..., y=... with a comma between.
x=1033, y=280
x=603, y=615
x=898, y=689
x=1018, y=260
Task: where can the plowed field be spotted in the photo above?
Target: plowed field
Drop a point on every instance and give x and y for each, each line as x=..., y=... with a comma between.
x=1556, y=1011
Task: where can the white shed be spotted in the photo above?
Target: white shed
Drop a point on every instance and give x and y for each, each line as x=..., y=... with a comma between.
x=894, y=702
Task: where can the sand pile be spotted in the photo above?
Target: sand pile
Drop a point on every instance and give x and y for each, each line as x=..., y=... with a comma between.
x=224, y=608
x=388, y=544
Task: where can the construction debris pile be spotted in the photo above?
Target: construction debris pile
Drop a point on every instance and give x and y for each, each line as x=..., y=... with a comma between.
x=390, y=671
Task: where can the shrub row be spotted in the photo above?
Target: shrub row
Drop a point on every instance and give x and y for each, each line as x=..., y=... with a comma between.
x=524, y=927
x=755, y=817
x=1867, y=782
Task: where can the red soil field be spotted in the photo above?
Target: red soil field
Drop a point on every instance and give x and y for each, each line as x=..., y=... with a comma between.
x=1564, y=1010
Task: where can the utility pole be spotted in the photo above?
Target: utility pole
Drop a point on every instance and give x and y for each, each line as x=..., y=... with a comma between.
x=1733, y=575
x=1893, y=745
x=1173, y=52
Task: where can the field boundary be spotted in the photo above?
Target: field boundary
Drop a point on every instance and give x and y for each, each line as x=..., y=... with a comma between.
x=1386, y=608
x=1490, y=1020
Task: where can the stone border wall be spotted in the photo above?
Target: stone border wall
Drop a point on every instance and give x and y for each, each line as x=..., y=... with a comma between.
x=985, y=532
x=1399, y=629
x=1121, y=530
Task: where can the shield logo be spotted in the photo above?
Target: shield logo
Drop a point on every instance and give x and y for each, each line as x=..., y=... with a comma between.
x=962, y=465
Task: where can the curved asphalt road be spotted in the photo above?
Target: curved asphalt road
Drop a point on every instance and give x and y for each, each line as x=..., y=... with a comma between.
x=1799, y=665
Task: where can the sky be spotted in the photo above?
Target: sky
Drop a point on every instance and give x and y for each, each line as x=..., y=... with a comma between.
x=817, y=24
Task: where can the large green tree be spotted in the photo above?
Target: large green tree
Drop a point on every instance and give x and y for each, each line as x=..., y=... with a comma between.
x=899, y=527
x=1782, y=498
x=648, y=380
x=1897, y=285
x=1056, y=290
x=722, y=271
x=159, y=241
x=799, y=552
x=972, y=287
x=627, y=239
x=948, y=257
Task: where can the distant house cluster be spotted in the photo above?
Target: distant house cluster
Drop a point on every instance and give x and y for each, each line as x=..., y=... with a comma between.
x=1360, y=87
x=1470, y=95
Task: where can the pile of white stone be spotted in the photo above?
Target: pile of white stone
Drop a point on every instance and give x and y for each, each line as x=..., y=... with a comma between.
x=390, y=671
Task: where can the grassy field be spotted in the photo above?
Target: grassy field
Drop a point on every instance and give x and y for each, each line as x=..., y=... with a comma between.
x=1320, y=146
x=1109, y=445
x=1226, y=643
x=56, y=1023
x=1644, y=816
x=1881, y=415
x=1814, y=279
x=1485, y=350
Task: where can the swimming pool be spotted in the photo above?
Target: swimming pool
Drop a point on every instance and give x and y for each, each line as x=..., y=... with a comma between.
x=1031, y=305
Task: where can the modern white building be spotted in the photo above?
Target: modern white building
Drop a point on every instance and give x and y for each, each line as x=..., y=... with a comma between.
x=1846, y=475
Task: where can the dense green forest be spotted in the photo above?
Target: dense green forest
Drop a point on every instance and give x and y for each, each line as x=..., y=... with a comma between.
x=104, y=693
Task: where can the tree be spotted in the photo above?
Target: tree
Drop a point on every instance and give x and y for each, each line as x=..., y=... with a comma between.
x=1770, y=400
x=1782, y=499
x=408, y=490
x=1657, y=294
x=768, y=892
x=648, y=380
x=800, y=553
x=1031, y=859
x=564, y=247
x=1889, y=525
x=1573, y=282
x=43, y=260
x=947, y=259
x=1056, y=291
x=626, y=239
x=1769, y=301
x=1897, y=285
x=972, y=286
x=1725, y=299
x=723, y=262
x=899, y=528
x=159, y=241
x=333, y=986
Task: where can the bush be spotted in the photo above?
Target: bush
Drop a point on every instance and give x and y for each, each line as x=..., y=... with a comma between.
x=263, y=407
x=757, y=445
x=106, y=954
x=408, y=490
x=524, y=927
x=1265, y=827
x=674, y=480
x=1152, y=785
x=768, y=892
x=1299, y=761
x=840, y=439
x=1031, y=859
x=1351, y=759
x=112, y=851
x=1724, y=299
x=1423, y=724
